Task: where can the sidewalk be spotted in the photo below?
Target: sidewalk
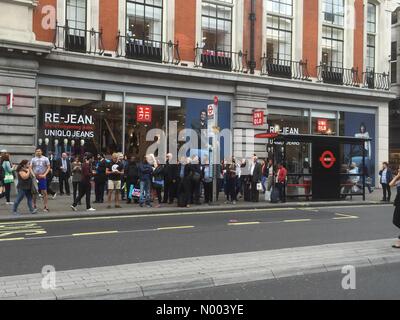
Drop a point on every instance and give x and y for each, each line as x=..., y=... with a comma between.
x=60, y=207
x=159, y=277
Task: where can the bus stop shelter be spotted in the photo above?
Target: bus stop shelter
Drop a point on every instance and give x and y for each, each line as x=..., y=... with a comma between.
x=330, y=173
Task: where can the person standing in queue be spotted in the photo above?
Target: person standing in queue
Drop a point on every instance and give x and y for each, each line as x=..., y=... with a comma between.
x=170, y=179
x=76, y=169
x=132, y=178
x=145, y=176
x=207, y=181
x=195, y=181
x=64, y=173
x=100, y=178
x=85, y=189
x=386, y=177
x=114, y=171
x=255, y=176
x=281, y=182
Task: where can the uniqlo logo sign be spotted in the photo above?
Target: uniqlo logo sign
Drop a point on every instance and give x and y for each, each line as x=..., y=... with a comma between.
x=258, y=118
x=144, y=114
x=322, y=125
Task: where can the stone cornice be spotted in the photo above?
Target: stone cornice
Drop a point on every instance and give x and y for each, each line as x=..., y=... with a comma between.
x=29, y=3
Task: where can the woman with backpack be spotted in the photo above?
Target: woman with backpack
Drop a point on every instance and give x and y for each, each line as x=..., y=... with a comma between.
x=24, y=187
x=8, y=177
x=145, y=176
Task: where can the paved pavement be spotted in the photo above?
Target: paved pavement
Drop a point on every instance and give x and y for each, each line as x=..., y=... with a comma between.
x=60, y=207
x=152, y=278
x=372, y=283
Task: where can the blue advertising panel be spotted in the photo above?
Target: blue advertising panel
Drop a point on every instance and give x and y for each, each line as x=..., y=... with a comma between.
x=361, y=125
x=196, y=119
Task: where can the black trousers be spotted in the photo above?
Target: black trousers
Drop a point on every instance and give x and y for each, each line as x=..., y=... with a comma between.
x=282, y=191
x=99, y=187
x=255, y=195
x=231, y=186
x=208, y=192
x=195, y=192
x=85, y=190
x=170, y=189
x=396, y=217
x=386, y=190
x=63, y=181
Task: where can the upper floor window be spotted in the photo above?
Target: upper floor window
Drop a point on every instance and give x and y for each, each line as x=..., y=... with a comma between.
x=333, y=11
x=144, y=19
x=279, y=30
x=76, y=14
x=216, y=25
x=332, y=46
x=393, y=62
x=371, y=37
x=395, y=17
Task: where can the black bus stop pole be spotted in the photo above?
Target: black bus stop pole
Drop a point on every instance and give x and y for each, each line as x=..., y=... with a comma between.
x=363, y=148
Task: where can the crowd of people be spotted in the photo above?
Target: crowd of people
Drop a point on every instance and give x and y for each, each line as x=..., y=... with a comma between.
x=145, y=182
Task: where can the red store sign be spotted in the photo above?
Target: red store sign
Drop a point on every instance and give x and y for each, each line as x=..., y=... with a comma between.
x=322, y=125
x=144, y=114
x=258, y=118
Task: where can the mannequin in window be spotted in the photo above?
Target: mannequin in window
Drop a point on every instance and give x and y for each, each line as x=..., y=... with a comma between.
x=65, y=147
x=57, y=149
x=46, y=147
x=73, y=148
x=82, y=148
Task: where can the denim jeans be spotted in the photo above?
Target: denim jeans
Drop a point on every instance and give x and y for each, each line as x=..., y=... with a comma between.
x=263, y=181
x=145, y=192
x=20, y=197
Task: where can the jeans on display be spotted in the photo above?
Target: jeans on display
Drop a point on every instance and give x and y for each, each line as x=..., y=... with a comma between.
x=20, y=196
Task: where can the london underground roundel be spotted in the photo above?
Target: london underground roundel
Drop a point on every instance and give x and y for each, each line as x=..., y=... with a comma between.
x=328, y=159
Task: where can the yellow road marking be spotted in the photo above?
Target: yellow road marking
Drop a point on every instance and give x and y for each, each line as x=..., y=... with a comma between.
x=242, y=223
x=93, y=233
x=12, y=239
x=175, y=228
x=299, y=220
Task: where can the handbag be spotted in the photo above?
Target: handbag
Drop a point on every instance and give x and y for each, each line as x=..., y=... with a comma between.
x=259, y=186
x=35, y=187
x=8, y=178
x=133, y=192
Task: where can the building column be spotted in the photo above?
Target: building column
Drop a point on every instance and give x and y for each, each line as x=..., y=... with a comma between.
x=18, y=125
x=246, y=100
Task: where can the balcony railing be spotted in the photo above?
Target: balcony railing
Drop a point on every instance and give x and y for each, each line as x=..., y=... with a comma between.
x=221, y=60
x=78, y=40
x=379, y=81
x=339, y=76
x=148, y=50
x=284, y=68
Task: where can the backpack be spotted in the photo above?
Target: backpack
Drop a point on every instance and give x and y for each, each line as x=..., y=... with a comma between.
x=2, y=174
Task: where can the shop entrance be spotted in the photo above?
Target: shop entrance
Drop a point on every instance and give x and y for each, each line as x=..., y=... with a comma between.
x=320, y=167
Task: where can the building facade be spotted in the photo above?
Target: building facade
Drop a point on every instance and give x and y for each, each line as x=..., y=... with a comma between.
x=394, y=106
x=97, y=75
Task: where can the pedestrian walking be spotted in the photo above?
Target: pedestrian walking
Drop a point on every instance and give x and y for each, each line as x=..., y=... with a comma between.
x=40, y=167
x=85, y=189
x=8, y=177
x=115, y=170
x=145, y=176
x=76, y=178
x=24, y=187
x=396, y=216
x=386, y=177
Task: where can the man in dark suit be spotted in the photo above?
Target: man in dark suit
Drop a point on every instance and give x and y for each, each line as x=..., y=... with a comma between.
x=255, y=176
x=64, y=173
x=170, y=179
x=386, y=175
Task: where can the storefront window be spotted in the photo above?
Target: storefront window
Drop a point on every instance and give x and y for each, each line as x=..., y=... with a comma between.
x=324, y=122
x=78, y=126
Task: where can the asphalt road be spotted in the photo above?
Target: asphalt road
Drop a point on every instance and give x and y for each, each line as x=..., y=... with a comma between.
x=25, y=247
x=372, y=283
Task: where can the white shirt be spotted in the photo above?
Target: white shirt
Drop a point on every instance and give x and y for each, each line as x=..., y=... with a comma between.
x=384, y=176
x=253, y=165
